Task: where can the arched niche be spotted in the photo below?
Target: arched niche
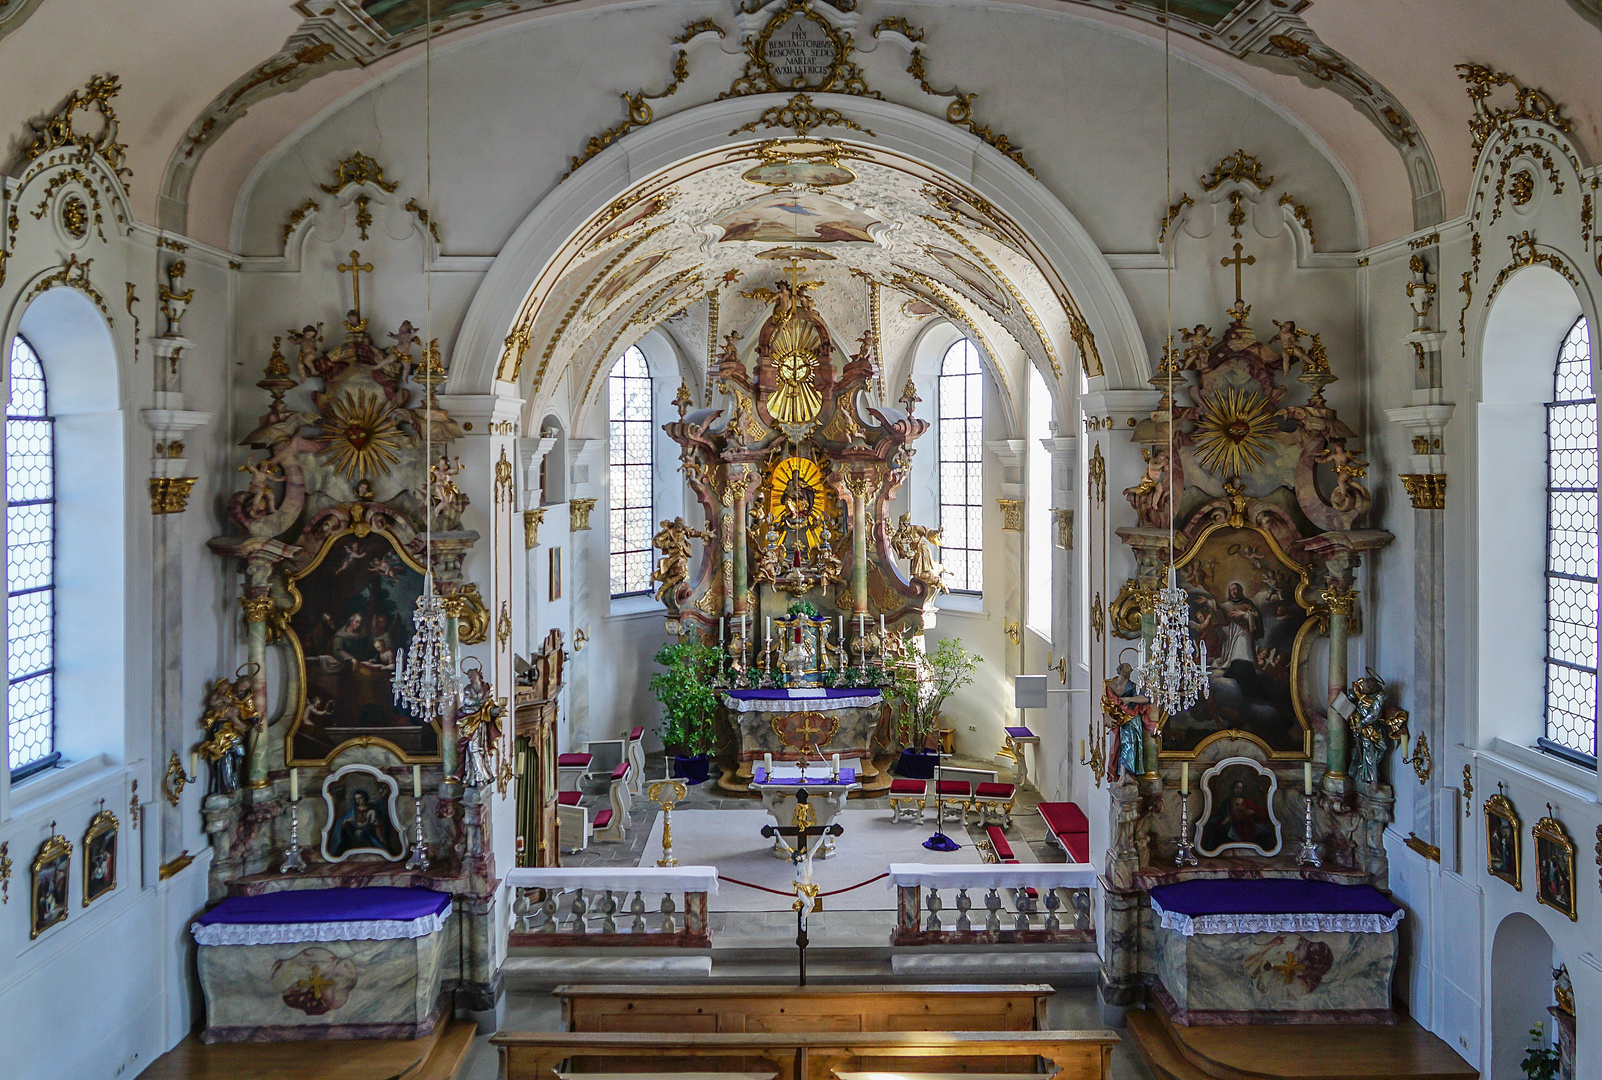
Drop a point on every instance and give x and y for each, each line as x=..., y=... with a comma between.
x=1522, y=960
x=550, y=480
x=1523, y=330
x=83, y=388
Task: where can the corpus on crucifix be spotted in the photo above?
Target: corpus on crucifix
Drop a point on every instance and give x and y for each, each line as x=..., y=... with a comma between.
x=800, y=839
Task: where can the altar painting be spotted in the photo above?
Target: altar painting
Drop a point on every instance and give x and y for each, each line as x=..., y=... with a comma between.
x=1246, y=608
x=354, y=614
x=1238, y=810
x=361, y=815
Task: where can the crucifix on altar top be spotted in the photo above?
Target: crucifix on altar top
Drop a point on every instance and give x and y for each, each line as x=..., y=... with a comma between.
x=1237, y=262
x=354, y=321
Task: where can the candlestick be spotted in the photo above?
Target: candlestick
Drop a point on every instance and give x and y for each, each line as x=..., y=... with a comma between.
x=294, y=785
x=1184, y=778
x=417, y=781
x=1187, y=852
x=418, y=860
x=293, y=862
x=1308, y=855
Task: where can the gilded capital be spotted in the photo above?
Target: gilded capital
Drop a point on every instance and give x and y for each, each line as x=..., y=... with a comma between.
x=1011, y=514
x=532, y=520
x=170, y=494
x=579, y=514
x=1427, y=490
x=1339, y=602
x=1064, y=520
x=257, y=608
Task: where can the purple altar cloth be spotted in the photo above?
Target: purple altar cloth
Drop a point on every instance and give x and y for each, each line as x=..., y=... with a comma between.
x=1273, y=905
x=829, y=693
x=1020, y=733
x=759, y=775
x=379, y=913
x=328, y=905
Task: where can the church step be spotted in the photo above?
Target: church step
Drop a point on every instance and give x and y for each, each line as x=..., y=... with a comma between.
x=1060, y=967
x=449, y=1054
x=1157, y=1050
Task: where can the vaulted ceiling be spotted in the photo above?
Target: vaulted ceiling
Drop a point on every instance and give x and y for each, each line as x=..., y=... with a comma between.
x=208, y=90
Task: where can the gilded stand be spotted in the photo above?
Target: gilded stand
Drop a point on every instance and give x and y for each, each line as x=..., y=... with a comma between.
x=676, y=791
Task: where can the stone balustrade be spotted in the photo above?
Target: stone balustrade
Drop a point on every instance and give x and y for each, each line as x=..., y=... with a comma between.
x=597, y=907
x=1020, y=903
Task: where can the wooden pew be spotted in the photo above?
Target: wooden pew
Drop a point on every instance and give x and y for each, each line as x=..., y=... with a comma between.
x=1069, y=1055
x=752, y=1009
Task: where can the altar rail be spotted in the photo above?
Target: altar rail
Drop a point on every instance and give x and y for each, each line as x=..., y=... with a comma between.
x=1020, y=903
x=647, y=905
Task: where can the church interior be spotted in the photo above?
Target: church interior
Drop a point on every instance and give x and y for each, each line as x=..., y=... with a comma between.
x=801, y=539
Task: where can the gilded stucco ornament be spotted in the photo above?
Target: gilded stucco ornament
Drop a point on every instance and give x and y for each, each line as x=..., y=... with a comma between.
x=1426, y=490
x=579, y=514
x=1529, y=103
x=1011, y=514
x=170, y=494
x=60, y=129
x=532, y=520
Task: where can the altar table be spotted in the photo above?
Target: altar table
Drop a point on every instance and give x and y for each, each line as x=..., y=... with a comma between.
x=826, y=794
x=797, y=723
x=1274, y=950
x=362, y=963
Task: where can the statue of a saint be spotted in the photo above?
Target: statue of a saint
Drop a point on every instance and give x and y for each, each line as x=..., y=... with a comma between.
x=1375, y=723
x=673, y=569
x=912, y=542
x=230, y=711
x=1130, y=713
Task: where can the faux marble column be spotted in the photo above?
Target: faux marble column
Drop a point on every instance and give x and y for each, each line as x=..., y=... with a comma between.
x=739, y=482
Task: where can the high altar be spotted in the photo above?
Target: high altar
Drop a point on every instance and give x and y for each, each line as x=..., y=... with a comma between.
x=1254, y=499
x=794, y=477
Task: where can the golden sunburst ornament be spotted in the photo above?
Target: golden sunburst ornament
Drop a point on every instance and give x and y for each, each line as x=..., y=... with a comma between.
x=362, y=435
x=1233, y=432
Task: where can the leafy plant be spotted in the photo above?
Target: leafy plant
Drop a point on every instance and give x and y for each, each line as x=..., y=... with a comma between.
x=1540, y=1061
x=689, y=699
x=918, y=683
x=803, y=607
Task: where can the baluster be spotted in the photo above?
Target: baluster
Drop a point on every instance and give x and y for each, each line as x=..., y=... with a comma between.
x=932, y=924
x=520, y=910
x=1023, y=903
x=553, y=901
x=1080, y=898
x=670, y=925
x=637, y=909
x=579, y=909
x=608, y=911
x=1053, y=902
x=993, y=905
x=963, y=904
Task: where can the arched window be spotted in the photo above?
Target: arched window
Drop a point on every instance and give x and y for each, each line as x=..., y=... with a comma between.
x=628, y=389
x=961, y=444
x=1571, y=553
x=30, y=457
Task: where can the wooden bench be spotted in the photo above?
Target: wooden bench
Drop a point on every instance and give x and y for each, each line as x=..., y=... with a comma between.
x=812, y=1055
x=755, y=1009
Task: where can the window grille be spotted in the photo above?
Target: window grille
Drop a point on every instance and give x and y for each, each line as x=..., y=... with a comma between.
x=961, y=445
x=30, y=563
x=1571, y=554
x=628, y=389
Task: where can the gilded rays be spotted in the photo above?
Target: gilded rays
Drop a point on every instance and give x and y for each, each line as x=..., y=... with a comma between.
x=1233, y=431
x=361, y=433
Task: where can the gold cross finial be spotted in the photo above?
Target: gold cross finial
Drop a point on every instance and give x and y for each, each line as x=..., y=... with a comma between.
x=354, y=268
x=1237, y=262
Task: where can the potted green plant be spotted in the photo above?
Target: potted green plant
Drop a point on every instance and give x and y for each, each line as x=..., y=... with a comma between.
x=1541, y=1062
x=689, y=700
x=917, y=687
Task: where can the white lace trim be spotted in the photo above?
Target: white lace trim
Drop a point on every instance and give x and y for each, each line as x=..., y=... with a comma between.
x=795, y=705
x=1302, y=923
x=288, y=933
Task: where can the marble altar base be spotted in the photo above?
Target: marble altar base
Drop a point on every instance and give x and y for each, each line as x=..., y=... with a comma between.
x=323, y=989
x=853, y=727
x=1275, y=977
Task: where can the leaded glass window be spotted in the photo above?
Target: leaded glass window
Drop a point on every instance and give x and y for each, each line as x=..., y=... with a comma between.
x=628, y=390
x=30, y=560
x=1571, y=553
x=961, y=443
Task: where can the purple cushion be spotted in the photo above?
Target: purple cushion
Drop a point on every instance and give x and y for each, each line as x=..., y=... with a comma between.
x=998, y=840
x=603, y=819
x=573, y=760
x=1020, y=733
x=1272, y=896
x=959, y=788
x=329, y=905
x=621, y=771
x=1064, y=818
x=637, y=734
x=994, y=791
x=902, y=786
x=568, y=798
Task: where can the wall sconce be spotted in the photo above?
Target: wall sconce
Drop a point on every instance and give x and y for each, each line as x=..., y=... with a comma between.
x=581, y=638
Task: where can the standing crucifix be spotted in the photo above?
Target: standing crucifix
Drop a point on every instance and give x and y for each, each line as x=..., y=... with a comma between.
x=803, y=830
x=1237, y=262
x=356, y=266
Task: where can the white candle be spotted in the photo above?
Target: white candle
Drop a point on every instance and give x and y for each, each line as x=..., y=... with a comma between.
x=723, y=629
x=294, y=785
x=842, y=628
x=417, y=780
x=1081, y=751
x=1307, y=777
x=881, y=631
x=1184, y=778
x=834, y=764
x=767, y=765
x=767, y=628
x=194, y=763
x=859, y=624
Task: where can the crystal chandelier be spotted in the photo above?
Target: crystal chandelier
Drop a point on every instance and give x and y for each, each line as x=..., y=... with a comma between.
x=1173, y=669
x=426, y=678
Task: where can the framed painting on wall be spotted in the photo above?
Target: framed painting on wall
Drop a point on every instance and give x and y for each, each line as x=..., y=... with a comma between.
x=1554, y=865
x=555, y=592
x=1238, y=809
x=52, y=873
x=99, y=857
x=362, y=819
x=1502, y=846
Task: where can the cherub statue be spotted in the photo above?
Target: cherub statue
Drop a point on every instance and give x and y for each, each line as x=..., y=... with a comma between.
x=308, y=339
x=1349, y=496
x=673, y=570
x=912, y=542
x=230, y=711
x=1374, y=723
x=448, y=500
x=1290, y=344
x=260, y=500
x=1150, y=496
x=405, y=337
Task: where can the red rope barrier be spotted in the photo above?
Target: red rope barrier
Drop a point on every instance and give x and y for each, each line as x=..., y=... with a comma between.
x=779, y=892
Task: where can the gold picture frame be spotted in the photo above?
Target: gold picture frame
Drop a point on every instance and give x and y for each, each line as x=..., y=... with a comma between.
x=100, y=856
x=52, y=874
x=1554, y=866
x=1503, y=843
x=1296, y=662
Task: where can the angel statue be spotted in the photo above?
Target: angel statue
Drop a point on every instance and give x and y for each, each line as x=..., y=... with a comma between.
x=448, y=500
x=1374, y=721
x=308, y=338
x=1150, y=496
x=230, y=711
x=1349, y=496
x=260, y=500
x=912, y=542
x=673, y=570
